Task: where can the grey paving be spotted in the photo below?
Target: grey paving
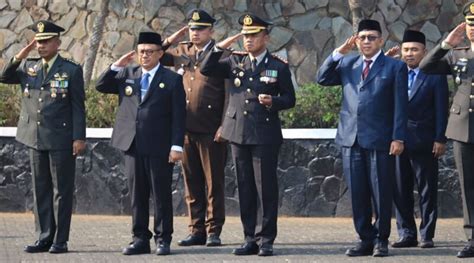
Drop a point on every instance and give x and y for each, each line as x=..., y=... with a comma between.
x=101, y=239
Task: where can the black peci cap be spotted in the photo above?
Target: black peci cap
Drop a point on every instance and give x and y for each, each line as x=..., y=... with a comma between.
x=369, y=24
x=252, y=24
x=414, y=36
x=149, y=38
x=198, y=19
x=46, y=30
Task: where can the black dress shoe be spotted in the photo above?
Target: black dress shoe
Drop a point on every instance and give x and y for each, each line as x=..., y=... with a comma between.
x=58, y=248
x=213, y=240
x=381, y=250
x=467, y=252
x=137, y=247
x=405, y=242
x=39, y=246
x=163, y=249
x=192, y=240
x=362, y=249
x=249, y=248
x=265, y=250
x=426, y=243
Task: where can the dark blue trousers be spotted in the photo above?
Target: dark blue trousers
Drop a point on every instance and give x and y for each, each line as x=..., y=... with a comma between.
x=422, y=167
x=369, y=175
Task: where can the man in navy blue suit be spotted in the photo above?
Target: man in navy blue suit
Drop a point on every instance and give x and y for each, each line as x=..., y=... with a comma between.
x=371, y=130
x=149, y=129
x=427, y=120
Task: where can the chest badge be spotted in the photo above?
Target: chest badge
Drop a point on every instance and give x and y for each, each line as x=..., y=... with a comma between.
x=237, y=82
x=128, y=91
x=161, y=85
x=269, y=76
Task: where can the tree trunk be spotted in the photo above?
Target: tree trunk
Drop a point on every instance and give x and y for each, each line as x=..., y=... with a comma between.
x=361, y=9
x=95, y=38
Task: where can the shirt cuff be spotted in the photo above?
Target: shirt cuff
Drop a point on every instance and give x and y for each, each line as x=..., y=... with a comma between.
x=115, y=68
x=177, y=148
x=336, y=56
x=217, y=49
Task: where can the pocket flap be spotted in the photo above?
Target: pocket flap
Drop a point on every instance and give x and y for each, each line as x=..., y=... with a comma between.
x=230, y=113
x=455, y=109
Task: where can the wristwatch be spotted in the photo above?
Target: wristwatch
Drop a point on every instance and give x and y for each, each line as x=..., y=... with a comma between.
x=445, y=45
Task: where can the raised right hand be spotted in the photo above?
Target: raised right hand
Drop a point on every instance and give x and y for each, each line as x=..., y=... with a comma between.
x=124, y=60
x=176, y=36
x=229, y=41
x=348, y=46
x=456, y=36
x=26, y=50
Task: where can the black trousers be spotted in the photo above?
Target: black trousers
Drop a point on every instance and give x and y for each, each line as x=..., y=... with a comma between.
x=53, y=191
x=369, y=175
x=203, y=170
x=256, y=167
x=464, y=157
x=150, y=175
x=421, y=166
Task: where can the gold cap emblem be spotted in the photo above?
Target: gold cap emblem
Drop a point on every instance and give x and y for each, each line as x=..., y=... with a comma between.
x=247, y=20
x=471, y=8
x=196, y=16
x=40, y=27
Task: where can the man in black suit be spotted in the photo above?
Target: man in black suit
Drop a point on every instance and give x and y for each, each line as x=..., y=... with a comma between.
x=149, y=129
x=53, y=126
x=427, y=119
x=261, y=87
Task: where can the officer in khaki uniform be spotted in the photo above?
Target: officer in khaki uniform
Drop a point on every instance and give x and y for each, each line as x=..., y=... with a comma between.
x=52, y=125
x=261, y=87
x=204, y=151
x=446, y=58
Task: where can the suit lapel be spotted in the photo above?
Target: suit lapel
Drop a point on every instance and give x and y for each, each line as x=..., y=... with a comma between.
x=357, y=73
x=376, y=68
x=420, y=78
x=153, y=84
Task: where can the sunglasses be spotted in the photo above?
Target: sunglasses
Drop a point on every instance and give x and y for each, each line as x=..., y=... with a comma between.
x=148, y=52
x=371, y=38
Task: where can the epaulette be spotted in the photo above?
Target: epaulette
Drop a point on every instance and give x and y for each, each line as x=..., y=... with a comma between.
x=280, y=58
x=461, y=48
x=241, y=53
x=185, y=42
x=72, y=61
x=33, y=59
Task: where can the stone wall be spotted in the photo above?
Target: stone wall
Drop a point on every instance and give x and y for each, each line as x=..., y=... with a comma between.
x=305, y=31
x=309, y=176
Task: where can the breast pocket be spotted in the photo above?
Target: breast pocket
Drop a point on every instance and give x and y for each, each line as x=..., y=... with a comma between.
x=230, y=113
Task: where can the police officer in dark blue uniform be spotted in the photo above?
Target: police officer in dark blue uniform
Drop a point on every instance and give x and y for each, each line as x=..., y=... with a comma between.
x=261, y=87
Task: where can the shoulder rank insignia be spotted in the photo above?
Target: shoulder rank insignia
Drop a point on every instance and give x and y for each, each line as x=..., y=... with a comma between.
x=280, y=58
x=242, y=53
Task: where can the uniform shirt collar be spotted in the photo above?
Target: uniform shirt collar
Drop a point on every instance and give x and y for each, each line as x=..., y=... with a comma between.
x=50, y=62
x=205, y=47
x=152, y=72
x=259, y=57
x=416, y=70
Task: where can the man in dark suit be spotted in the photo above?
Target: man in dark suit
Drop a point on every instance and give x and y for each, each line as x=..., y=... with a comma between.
x=371, y=130
x=261, y=87
x=445, y=59
x=53, y=125
x=149, y=129
x=427, y=119
x=204, y=150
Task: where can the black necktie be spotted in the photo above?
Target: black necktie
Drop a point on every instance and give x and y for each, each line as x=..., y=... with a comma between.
x=198, y=54
x=254, y=64
x=45, y=70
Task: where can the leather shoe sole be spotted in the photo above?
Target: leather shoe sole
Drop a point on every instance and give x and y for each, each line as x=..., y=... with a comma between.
x=58, y=249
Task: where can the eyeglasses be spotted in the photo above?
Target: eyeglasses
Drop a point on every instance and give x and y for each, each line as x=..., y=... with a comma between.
x=368, y=37
x=148, y=52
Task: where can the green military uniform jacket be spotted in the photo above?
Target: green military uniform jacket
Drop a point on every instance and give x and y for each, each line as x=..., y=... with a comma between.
x=52, y=107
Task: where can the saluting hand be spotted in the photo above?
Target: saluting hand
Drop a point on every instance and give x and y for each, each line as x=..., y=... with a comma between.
x=78, y=147
x=396, y=148
x=456, y=36
x=124, y=60
x=348, y=46
x=393, y=52
x=26, y=50
x=176, y=36
x=175, y=156
x=229, y=41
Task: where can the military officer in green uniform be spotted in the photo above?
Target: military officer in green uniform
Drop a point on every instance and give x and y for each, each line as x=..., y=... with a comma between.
x=447, y=58
x=52, y=126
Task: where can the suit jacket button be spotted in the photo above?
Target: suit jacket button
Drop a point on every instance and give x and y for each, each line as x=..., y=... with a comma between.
x=41, y=88
x=246, y=101
x=249, y=90
x=39, y=111
x=39, y=123
x=64, y=124
x=267, y=119
x=470, y=110
x=471, y=96
x=245, y=113
x=251, y=79
x=40, y=99
x=209, y=106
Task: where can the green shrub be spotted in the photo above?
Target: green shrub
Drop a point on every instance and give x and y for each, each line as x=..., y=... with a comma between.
x=10, y=104
x=316, y=107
